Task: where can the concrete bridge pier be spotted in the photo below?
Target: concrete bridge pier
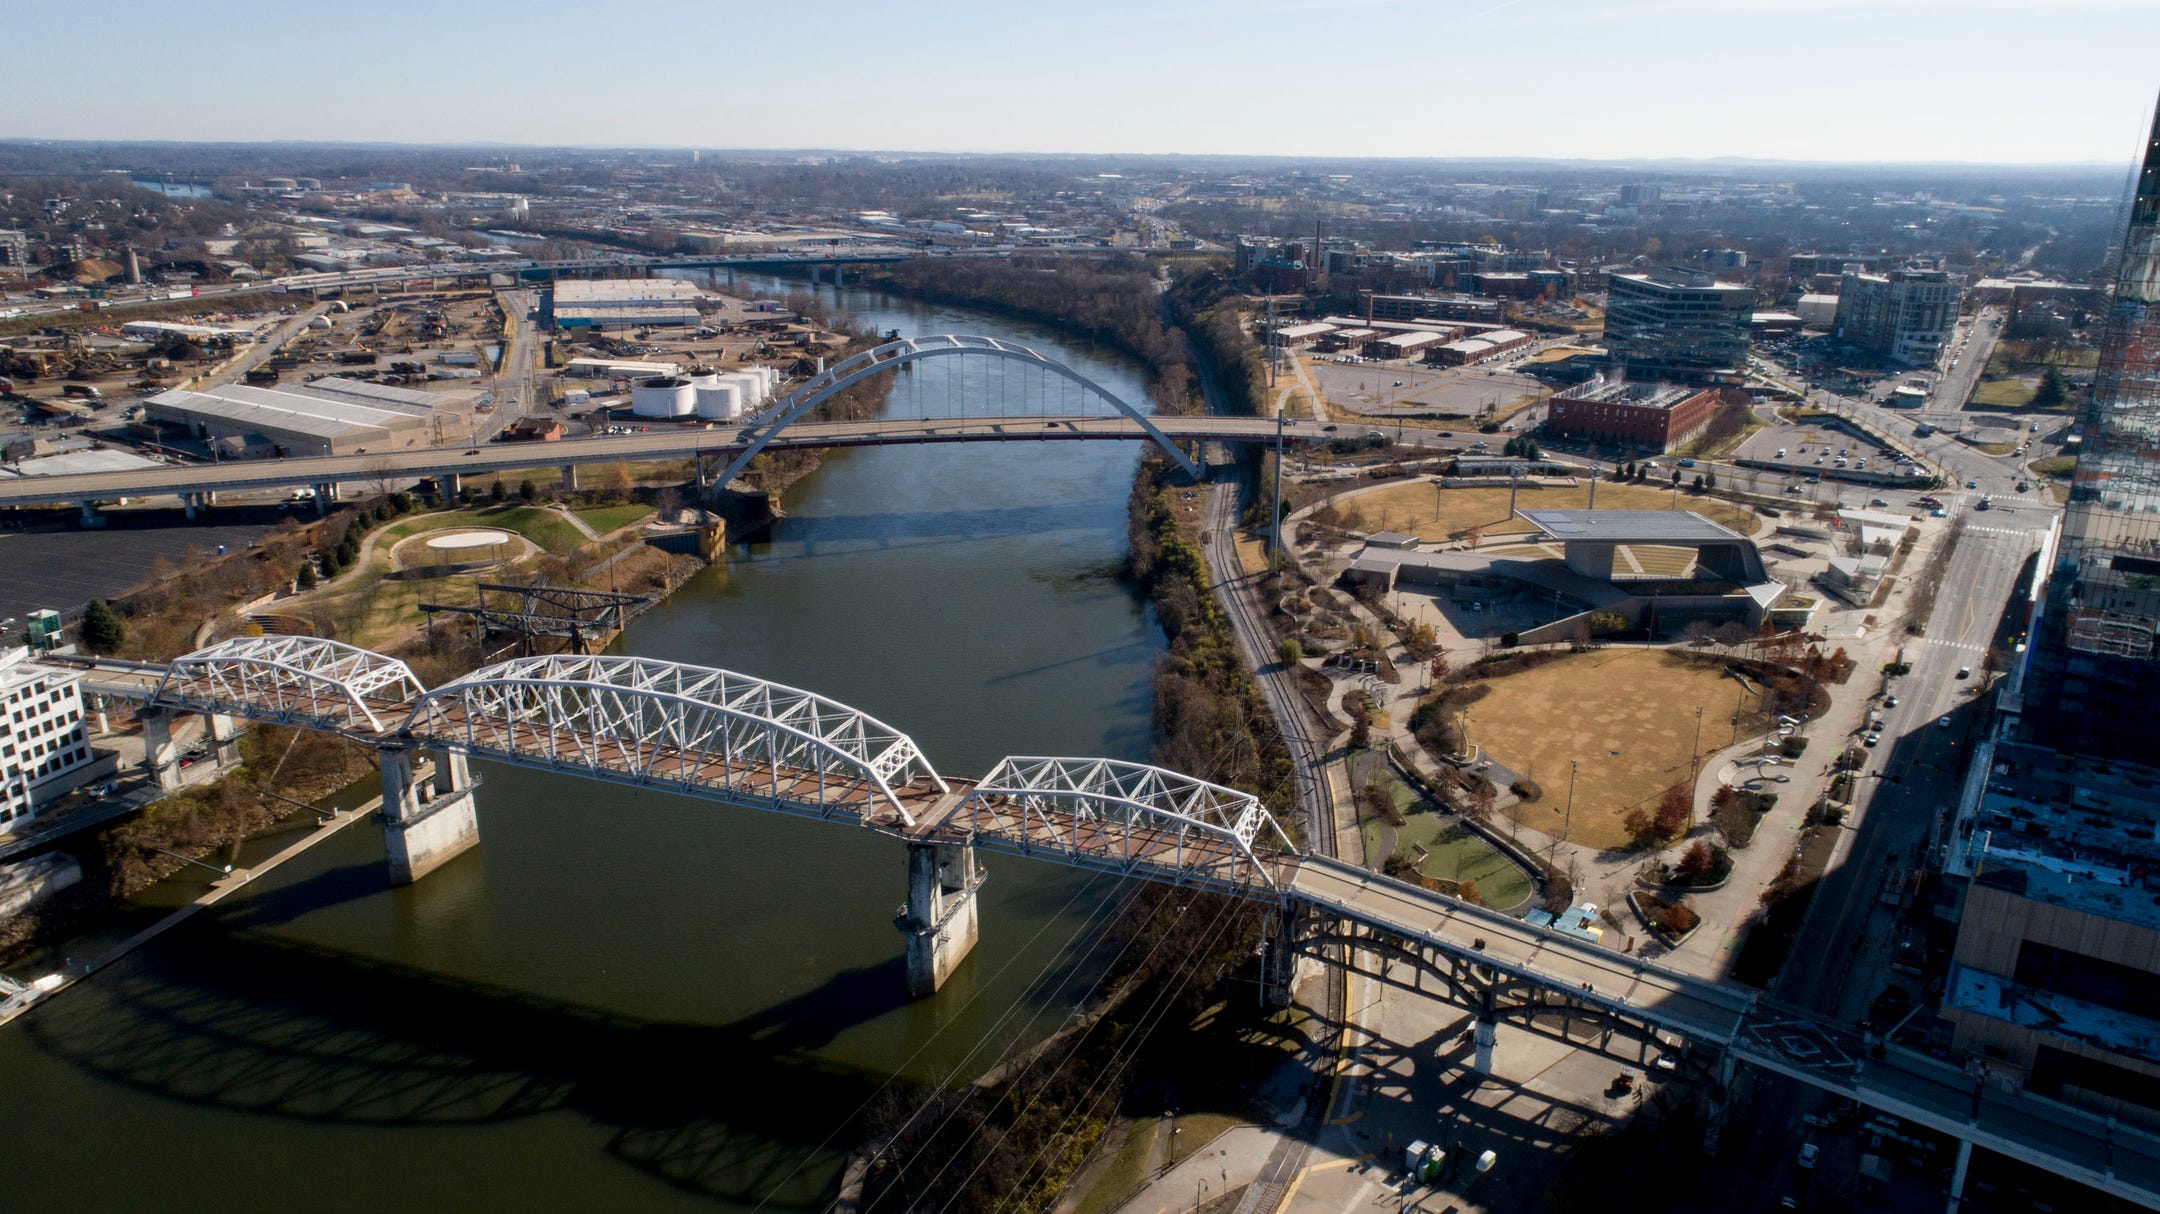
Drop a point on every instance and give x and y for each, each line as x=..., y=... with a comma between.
x=1283, y=965
x=569, y=478
x=325, y=494
x=161, y=756
x=1487, y=1032
x=225, y=738
x=425, y=824
x=90, y=516
x=448, y=486
x=940, y=916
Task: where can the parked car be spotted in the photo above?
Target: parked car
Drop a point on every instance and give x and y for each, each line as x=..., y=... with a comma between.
x=1808, y=1152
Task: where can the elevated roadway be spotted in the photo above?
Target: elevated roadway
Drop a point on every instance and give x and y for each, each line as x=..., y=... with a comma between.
x=672, y=442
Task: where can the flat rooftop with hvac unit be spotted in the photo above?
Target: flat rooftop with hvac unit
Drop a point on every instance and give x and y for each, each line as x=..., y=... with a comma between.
x=326, y=417
x=623, y=303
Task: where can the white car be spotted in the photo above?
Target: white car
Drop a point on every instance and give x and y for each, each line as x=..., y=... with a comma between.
x=1808, y=1152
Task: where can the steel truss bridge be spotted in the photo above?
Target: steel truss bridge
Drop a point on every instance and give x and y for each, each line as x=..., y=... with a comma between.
x=731, y=446
x=737, y=740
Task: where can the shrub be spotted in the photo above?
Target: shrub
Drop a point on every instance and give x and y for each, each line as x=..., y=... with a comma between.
x=1794, y=746
x=1526, y=788
x=1290, y=651
x=1676, y=919
x=1468, y=892
x=1509, y=640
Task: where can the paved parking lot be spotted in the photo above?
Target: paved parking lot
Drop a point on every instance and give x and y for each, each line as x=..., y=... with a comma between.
x=1382, y=387
x=63, y=565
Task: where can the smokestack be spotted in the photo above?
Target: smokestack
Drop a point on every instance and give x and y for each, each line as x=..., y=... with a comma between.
x=134, y=269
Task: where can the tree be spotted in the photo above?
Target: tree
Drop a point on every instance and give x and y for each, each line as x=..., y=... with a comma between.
x=1508, y=640
x=1677, y=919
x=1479, y=806
x=1698, y=481
x=1360, y=730
x=102, y=631
x=495, y=491
x=1695, y=862
x=1710, y=480
x=1640, y=826
x=307, y=578
x=1439, y=666
x=2052, y=391
x=526, y=491
x=1675, y=812
x=1676, y=478
x=1290, y=651
x=618, y=479
x=1468, y=892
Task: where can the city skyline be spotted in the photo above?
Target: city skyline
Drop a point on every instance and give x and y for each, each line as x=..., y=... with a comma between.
x=1849, y=81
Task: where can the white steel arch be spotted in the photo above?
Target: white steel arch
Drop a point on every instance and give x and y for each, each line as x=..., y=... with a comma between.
x=1128, y=818
x=693, y=729
x=290, y=680
x=810, y=394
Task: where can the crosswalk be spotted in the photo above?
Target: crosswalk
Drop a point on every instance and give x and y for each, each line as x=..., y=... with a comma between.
x=1967, y=646
x=1971, y=530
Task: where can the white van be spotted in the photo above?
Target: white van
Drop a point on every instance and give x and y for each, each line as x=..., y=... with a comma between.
x=1781, y=453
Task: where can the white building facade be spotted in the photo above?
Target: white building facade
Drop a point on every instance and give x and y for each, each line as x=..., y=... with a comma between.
x=43, y=739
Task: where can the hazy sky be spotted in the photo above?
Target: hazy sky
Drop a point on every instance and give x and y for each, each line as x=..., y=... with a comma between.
x=1924, y=80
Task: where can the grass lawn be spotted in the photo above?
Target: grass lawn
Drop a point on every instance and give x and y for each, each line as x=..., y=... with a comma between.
x=543, y=527
x=2054, y=465
x=1453, y=853
x=1125, y=1170
x=603, y=519
x=1436, y=514
x=1625, y=716
x=2004, y=393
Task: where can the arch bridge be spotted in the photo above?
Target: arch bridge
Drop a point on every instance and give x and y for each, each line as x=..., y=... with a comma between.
x=896, y=354
x=734, y=739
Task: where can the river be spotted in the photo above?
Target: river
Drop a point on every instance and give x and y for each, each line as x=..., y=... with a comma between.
x=624, y=999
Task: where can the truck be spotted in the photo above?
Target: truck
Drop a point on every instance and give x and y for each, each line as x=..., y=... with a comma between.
x=84, y=391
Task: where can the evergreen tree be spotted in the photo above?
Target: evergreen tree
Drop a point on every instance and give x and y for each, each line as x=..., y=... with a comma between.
x=102, y=631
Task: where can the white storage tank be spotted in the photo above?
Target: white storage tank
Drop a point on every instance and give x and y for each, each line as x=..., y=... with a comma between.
x=719, y=399
x=666, y=396
x=749, y=385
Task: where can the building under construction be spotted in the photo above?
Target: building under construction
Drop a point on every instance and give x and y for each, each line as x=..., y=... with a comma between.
x=2096, y=653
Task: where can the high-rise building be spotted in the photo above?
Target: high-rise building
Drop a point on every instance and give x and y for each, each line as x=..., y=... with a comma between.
x=1673, y=323
x=2096, y=651
x=1907, y=314
x=2052, y=868
x=14, y=248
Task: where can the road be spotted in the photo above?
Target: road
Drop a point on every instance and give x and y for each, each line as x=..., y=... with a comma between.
x=672, y=442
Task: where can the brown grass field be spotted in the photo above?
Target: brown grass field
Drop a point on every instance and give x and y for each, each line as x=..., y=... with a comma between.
x=1625, y=716
x=1441, y=514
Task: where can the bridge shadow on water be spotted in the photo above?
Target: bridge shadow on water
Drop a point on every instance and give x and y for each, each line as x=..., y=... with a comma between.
x=236, y=1020
x=913, y=529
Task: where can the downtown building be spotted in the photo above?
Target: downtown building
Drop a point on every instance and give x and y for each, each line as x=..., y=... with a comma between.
x=44, y=747
x=1644, y=417
x=1908, y=315
x=2051, y=868
x=1678, y=324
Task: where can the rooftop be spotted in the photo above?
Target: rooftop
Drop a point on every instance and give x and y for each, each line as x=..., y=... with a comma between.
x=1648, y=396
x=325, y=409
x=2072, y=831
x=1985, y=994
x=1629, y=526
x=626, y=290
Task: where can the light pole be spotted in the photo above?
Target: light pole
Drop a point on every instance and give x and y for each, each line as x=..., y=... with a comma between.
x=1567, y=823
x=1275, y=515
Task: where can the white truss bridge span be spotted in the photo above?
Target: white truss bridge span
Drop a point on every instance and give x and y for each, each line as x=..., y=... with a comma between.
x=731, y=738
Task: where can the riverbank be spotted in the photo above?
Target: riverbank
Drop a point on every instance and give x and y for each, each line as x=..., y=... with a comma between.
x=48, y=987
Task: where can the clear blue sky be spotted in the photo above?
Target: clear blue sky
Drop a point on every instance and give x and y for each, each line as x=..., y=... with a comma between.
x=2032, y=81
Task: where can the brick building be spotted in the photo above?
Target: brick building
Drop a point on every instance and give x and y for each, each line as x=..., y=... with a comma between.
x=1651, y=417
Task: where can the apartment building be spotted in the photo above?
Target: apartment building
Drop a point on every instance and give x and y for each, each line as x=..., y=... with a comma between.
x=43, y=740
x=1674, y=323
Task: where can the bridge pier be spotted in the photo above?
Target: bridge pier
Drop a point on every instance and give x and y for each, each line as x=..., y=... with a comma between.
x=161, y=758
x=225, y=739
x=569, y=478
x=325, y=494
x=940, y=916
x=1284, y=964
x=448, y=487
x=90, y=516
x=1957, y=1174
x=425, y=825
x=1487, y=1032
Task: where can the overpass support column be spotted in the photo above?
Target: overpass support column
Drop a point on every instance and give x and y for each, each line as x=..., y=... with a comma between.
x=90, y=516
x=160, y=758
x=188, y=500
x=837, y=280
x=569, y=477
x=1487, y=1030
x=225, y=738
x=425, y=825
x=1957, y=1174
x=1283, y=965
x=325, y=494
x=448, y=487
x=940, y=916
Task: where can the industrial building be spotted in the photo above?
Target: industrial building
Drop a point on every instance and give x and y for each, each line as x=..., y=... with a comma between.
x=704, y=395
x=623, y=303
x=1648, y=417
x=1907, y=314
x=1674, y=323
x=327, y=417
x=619, y=368
x=1427, y=307
x=42, y=738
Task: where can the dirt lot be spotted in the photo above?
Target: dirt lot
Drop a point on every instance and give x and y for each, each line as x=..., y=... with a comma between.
x=1440, y=514
x=1625, y=716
